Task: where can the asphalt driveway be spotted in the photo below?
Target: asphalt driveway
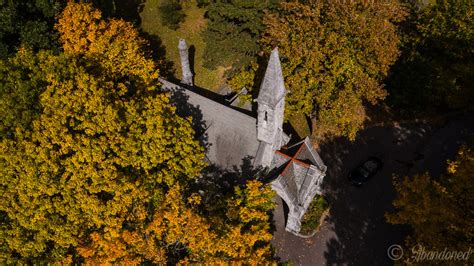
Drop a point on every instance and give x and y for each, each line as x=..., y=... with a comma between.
x=355, y=232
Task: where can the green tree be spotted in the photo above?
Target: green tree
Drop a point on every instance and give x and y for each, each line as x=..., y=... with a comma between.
x=441, y=212
x=172, y=14
x=128, y=10
x=27, y=23
x=435, y=69
x=334, y=58
x=233, y=31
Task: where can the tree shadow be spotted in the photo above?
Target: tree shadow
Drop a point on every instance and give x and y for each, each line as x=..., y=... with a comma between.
x=262, y=62
x=290, y=130
x=310, y=124
x=217, y=182
x=185, y=109
x=210, y=95
x=157, y=52
x=421, y=79
x=357, y=214
x=286, y=211
x=355, y=232
x=215, y=175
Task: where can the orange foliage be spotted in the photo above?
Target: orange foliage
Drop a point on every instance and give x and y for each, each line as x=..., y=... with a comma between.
x=101, y=172
x=114, y=43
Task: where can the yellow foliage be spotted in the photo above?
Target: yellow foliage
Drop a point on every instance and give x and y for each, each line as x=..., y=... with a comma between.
x=334, y=56
x=100, y=172
x=102, y=149
x=114, y=44
x=244, y=79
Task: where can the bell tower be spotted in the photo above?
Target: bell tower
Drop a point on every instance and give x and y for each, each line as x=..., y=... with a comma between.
x=271, y=105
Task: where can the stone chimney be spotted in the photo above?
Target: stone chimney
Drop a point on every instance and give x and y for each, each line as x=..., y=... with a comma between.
x=187, y=76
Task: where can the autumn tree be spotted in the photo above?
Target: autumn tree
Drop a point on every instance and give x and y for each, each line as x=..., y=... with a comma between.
x=245, y=77
x=233, y=30
x=238, y=232
x=334, y=55
x=247, y=237
x=179, y=232
x=100, y=151
x=434, y=71
x=20, y=88
x=440, y=211
x=99, y=168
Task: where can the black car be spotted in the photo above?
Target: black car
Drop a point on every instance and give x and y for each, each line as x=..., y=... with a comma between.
x=365, y=171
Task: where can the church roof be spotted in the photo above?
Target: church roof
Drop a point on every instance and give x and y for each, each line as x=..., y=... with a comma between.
x=299, y=167
x=231, y=142
x=230, y=136
x=272, y=89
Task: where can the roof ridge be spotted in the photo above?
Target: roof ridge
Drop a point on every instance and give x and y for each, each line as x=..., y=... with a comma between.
x=167, y=83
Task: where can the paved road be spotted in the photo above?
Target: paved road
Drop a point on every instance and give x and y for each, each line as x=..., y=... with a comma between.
x=355, y=233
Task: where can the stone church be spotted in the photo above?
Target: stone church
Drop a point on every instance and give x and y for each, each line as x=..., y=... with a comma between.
x=234, y=135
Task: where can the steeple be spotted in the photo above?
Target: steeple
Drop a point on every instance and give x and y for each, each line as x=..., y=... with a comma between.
x=271, y=104
x=187, y=76
x=272, y=89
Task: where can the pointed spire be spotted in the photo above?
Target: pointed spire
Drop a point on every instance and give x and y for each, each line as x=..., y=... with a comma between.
x=272, y=89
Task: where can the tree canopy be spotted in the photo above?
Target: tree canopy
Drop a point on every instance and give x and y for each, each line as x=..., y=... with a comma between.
x=101, y=148
x=27, y=23
x=334, y=58
x=172, y=14
x=233, y=30
x=435, y=69
x=97, y=167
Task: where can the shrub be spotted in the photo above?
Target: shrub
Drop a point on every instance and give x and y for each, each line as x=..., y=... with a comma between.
x=171, y=14
x=313, y=214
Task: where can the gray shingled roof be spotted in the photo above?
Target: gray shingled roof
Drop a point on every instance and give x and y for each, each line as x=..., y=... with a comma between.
x=230, y=135
x=299, y=170
x=300, y=173
x=231, y=142
x=273, y=86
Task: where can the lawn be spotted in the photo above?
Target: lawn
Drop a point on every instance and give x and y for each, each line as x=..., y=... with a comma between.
x=300, y=125
x=190, y=30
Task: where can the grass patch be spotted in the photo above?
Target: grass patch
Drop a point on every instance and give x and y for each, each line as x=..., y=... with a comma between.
x=300, y=125
x=311, y=218
x=190, y=29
